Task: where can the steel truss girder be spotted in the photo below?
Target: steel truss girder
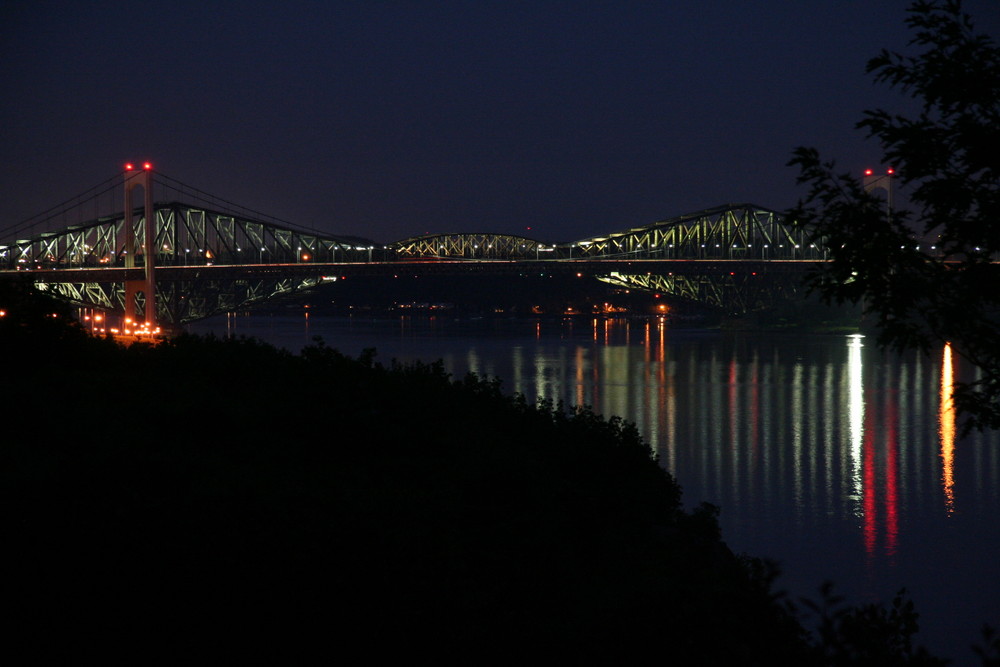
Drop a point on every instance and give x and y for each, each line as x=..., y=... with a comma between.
x=185, y=236
x=470, y=246
x=182, y=301
x=741, y=231
x=735, y=293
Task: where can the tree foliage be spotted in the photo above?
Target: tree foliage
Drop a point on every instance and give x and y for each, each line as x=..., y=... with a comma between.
x=926, y=276
x=868, y=634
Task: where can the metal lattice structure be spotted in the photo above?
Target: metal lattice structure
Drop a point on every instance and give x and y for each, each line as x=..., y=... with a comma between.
x=734, y=231
x=185, y=236
x=252, y=261
x=732, y=292
x=470, y=246
x=187, y=300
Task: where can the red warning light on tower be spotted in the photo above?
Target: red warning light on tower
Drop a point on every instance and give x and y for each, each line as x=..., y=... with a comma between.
x=129, y=166
x=890, y=171
x=147, y=166
x=868, y=172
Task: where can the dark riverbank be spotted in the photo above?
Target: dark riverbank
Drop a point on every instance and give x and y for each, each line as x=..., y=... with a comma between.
x=227, y=488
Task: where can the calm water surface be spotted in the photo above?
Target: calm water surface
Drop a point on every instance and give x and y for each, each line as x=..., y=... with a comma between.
x=824, y=454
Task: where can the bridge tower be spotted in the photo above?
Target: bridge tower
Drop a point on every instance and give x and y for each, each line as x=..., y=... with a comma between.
x=873, y=181
x=147, y=286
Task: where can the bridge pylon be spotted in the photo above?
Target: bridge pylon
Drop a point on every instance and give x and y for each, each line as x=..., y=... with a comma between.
x=147, y=286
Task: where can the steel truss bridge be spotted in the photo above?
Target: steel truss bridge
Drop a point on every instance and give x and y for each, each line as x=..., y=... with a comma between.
x=740, y=257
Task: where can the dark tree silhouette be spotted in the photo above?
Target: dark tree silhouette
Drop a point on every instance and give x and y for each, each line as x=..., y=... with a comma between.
x=925, y=276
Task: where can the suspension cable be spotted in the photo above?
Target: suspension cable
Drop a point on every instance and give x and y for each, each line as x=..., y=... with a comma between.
x=210, y=198
x=61, y=208
x=94, y=193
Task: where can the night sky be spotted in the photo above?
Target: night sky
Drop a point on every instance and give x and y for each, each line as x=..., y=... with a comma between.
x=392, y=119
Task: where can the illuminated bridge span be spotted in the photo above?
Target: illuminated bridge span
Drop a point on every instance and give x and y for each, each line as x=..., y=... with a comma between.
x=212, y=260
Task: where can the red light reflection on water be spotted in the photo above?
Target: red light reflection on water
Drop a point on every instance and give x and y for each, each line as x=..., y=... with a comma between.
x=878, y=451
x=892, y=479
x=869, y=486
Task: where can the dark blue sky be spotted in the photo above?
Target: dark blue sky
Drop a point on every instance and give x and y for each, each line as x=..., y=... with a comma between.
x=390, y=119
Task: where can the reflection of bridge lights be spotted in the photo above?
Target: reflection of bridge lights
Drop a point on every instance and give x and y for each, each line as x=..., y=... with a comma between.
x=947, y=421
x=856, y=410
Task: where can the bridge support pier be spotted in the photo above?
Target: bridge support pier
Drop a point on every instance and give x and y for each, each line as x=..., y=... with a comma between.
x=147, y=286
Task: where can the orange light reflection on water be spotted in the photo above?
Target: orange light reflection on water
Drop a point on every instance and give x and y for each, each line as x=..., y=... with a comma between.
x=947, y=430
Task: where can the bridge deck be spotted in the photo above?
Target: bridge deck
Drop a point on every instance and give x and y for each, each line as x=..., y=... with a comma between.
x=423, y=266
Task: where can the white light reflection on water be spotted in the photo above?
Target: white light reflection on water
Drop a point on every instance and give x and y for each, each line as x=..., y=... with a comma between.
x=856, y=415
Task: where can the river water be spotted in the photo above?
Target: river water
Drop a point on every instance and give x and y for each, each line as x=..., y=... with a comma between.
x=834, y=459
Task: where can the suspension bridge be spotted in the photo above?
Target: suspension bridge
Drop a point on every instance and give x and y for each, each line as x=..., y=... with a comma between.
x=182, y=255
